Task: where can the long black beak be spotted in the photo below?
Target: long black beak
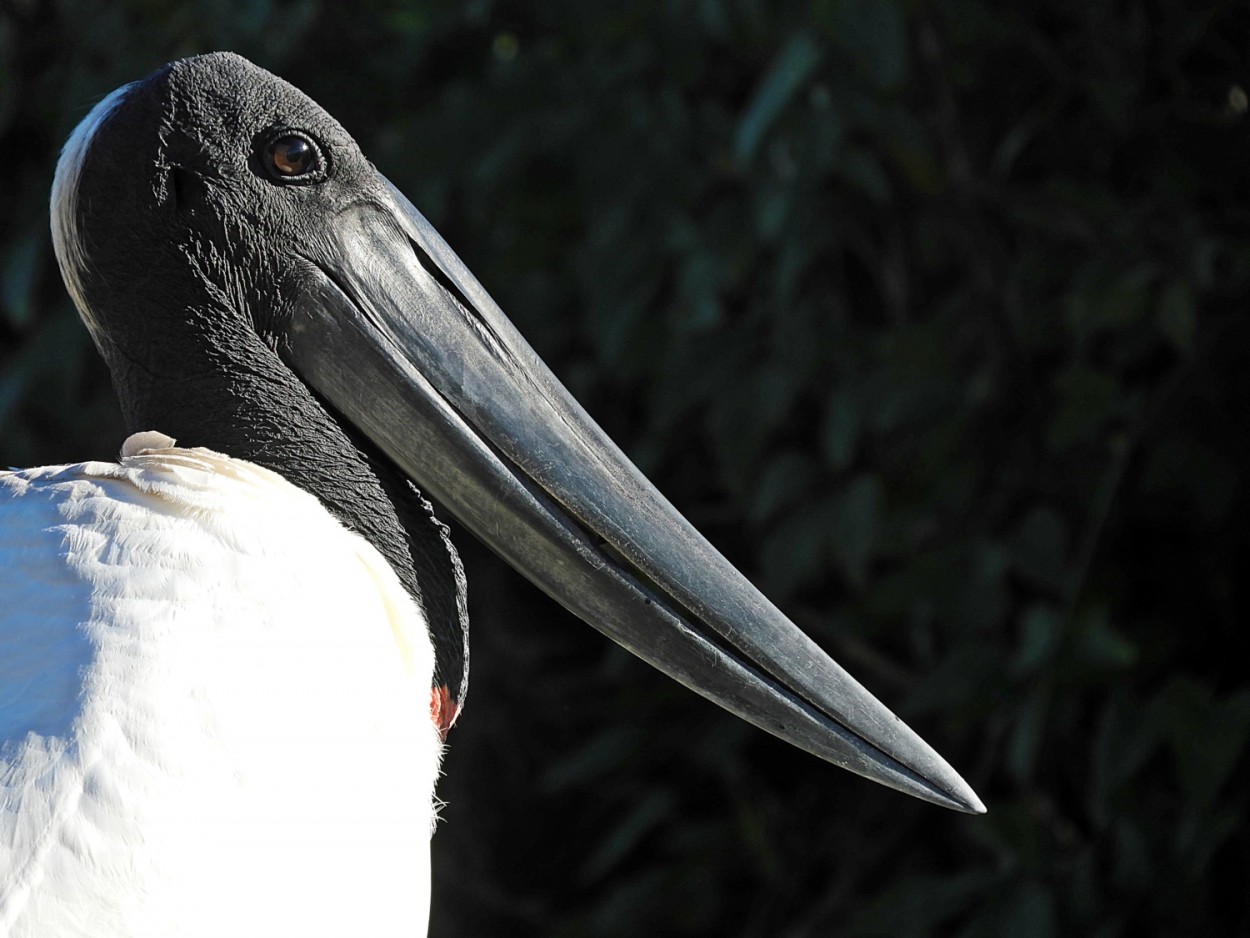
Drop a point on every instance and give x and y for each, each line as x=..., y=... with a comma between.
x=397, y=334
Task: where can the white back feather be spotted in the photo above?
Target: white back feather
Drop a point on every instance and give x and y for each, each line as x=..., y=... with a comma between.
x=216, y=711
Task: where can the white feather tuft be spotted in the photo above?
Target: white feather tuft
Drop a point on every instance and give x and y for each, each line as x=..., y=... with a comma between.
x=71, y=254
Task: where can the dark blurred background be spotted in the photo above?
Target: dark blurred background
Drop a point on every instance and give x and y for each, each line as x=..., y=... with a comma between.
x=931, y=315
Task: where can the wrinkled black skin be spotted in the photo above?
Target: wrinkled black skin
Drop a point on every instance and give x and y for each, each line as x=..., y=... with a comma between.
x=191, y=272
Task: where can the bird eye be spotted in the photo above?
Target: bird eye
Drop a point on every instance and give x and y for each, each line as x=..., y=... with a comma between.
x=292, y=157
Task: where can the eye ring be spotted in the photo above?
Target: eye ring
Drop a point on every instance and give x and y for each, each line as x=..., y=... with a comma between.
x=292, y=157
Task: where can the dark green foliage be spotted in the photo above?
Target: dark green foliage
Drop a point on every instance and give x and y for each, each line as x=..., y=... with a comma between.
x=931, y=315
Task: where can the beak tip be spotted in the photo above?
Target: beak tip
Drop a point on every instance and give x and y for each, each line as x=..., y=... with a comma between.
x=924, y=774
x=958, y=795
x=971, y=803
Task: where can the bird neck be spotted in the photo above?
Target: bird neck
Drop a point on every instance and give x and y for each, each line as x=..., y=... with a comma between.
x=239, y=398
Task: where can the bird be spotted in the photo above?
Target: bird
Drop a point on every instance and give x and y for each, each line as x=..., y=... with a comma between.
x=230, y=659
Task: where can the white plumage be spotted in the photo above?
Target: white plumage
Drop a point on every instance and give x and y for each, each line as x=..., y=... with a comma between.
x=212, y=690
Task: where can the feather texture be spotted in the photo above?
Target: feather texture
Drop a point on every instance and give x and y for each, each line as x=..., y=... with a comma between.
x=210, y=689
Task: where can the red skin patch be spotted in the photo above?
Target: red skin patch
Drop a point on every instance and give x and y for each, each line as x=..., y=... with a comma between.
x=443, y=710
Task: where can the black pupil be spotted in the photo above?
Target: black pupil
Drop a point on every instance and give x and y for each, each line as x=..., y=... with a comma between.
x=291, y=156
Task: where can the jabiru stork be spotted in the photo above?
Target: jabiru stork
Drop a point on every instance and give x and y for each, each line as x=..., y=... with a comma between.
x=228, y=660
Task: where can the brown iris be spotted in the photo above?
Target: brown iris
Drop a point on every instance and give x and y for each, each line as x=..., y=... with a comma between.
x=291, y=156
